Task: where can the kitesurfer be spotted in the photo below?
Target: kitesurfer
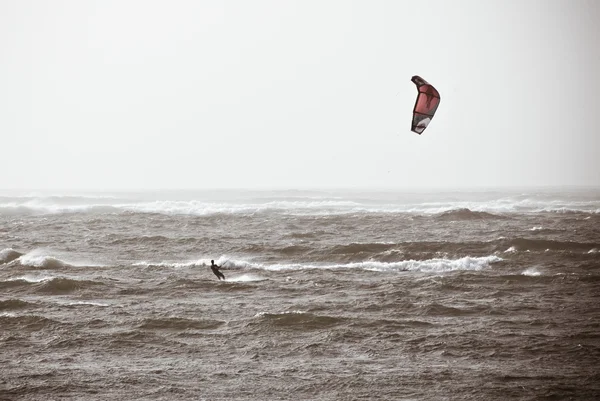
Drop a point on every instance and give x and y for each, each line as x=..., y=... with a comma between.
x=215, y=269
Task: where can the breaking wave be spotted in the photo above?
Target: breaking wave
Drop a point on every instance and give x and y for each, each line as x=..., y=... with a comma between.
x=438, y=265
x=43, y=259
x=435, y=265
x=8, y=255
x=43, y=262
x=452, y=206
x=245, y=278
x=531, y=272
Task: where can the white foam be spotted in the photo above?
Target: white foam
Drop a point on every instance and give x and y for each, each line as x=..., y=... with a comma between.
x=5, y=252
x=222, y=261
x=512, y=249
x=245, y=278
x=536, y=228
x=38, y=261
x=317, y=203
x=32, y=279
x=429, y=265
x=176, y=265
x=531, y=272
x=40, y=258
x=47, y=206
x=86, y=303
x=8, y=314
x=440, y=265
x=293, y=312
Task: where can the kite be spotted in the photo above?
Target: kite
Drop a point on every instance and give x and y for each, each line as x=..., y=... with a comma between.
x=428, y=100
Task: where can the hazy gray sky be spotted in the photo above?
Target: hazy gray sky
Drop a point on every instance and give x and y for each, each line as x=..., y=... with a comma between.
x=293, y=94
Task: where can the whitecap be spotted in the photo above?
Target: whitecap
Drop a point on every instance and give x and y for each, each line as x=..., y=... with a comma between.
x=86, y=303
x=32, y=279
x=292, y=312
x=244, y=278
x=531, y=272
x=8, y=314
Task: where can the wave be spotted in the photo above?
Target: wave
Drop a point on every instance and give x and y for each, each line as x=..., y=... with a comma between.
x=38, y=258
x=176, y=207
x=43, y=259
x=34, y=208
x=23, y=281
x=435, y=256
x=40, y=261
x=245, y=278
x=543, y=245
x=444, y=310
x=298, y=320
x=72, y=198
x=531, y=272
x=30, y=279
x=378, y=251
x=144, y=239
x=292, y=250
x=443, y=205
x=288, y=251
x=176, y=265
x=8, y=255
x=85, y=303
x=159, y=240
x=467, y=214
x=361, y=248
x=26, y=323
x=40, y=204
x=435, y=265
x=200, y=208
x=222, y=261
x=390, y=325
x=177, y=324
x=14, y=304
x=305, y=235
x=64, y=285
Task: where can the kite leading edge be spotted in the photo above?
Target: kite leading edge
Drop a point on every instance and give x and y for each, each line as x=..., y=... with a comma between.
x=428, y=100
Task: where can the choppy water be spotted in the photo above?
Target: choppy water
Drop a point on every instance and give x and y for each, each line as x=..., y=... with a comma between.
x=329, y=295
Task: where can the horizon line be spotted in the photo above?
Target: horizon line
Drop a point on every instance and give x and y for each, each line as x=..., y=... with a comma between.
x=314, y=188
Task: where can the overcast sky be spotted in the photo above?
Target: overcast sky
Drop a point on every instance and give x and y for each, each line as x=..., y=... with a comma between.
x=295, y=94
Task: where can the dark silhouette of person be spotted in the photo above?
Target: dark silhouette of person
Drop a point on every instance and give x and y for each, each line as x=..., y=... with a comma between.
x=215, y=269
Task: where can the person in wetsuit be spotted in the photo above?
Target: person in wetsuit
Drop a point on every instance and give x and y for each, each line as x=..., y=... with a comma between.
x=215, y=269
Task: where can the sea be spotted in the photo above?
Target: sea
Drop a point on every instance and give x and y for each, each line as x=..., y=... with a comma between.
x=328, y=295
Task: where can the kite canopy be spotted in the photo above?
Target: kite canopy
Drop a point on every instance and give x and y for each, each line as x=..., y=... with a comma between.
x=428, y=100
